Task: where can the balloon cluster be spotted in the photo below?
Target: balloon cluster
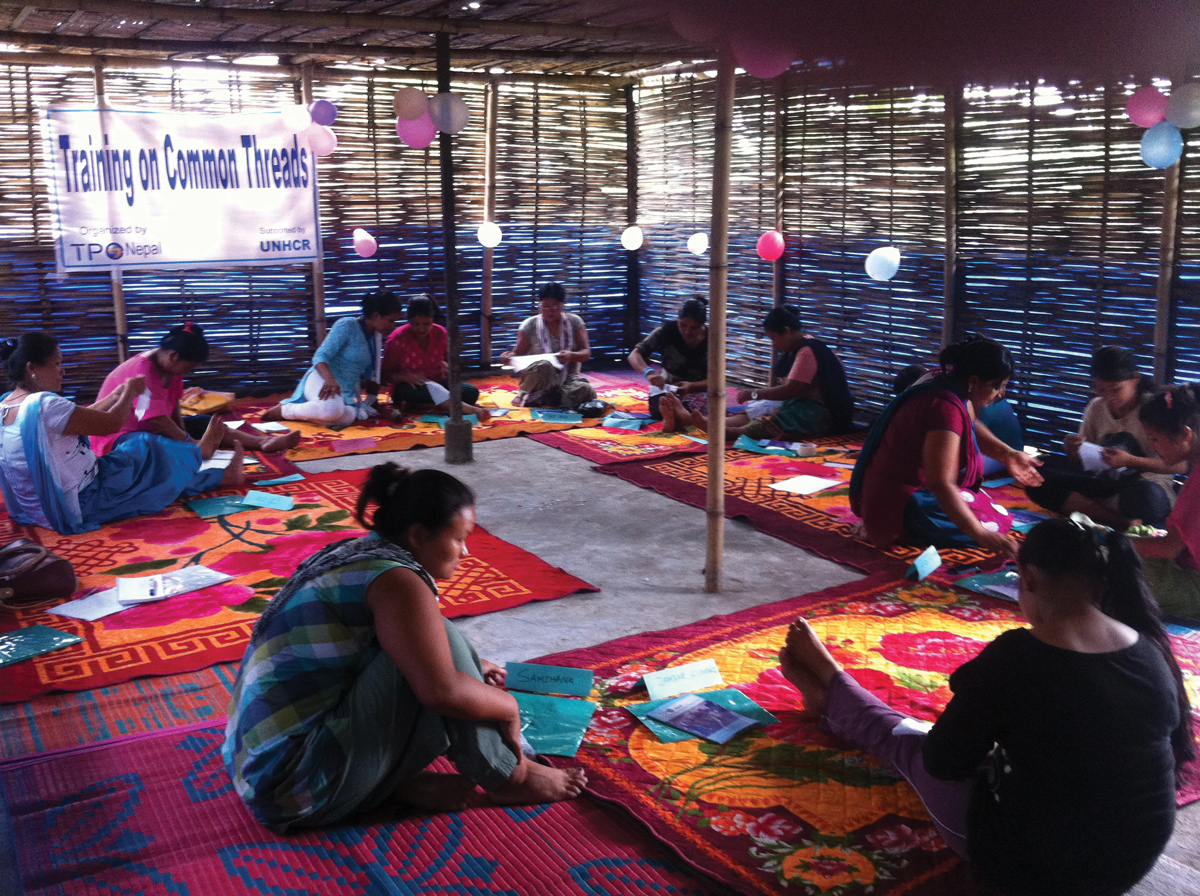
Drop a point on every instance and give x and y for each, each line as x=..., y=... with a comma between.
x=420, y=117
x=1164, y=117
x=313, y=121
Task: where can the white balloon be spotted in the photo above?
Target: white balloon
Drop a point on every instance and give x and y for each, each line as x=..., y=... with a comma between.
x=883, y=263
x=296, y=118
x=489, y=234
x=410, y=103
x=322, y=140
x=698, y=243
x=449, y=112
x=631, y=238
x=1183, y=107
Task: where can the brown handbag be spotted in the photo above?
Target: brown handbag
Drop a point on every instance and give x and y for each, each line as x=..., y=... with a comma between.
x=30, y=572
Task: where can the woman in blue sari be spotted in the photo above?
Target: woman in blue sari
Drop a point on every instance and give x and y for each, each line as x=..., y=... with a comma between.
x=50, y=477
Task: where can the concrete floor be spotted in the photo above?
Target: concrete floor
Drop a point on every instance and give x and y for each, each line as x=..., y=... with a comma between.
x=646, y=553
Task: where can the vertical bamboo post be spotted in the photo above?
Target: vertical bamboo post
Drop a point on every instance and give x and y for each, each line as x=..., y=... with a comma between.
x=120, y=324
x=950, y=271
x=779, y=275
x=718, y=274
x=491, y=104
x=458, y=431
x=1166, y=271
x=317, y=269
x=633, y=276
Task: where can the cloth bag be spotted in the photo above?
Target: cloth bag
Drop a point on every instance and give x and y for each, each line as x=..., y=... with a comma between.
x=30, y=572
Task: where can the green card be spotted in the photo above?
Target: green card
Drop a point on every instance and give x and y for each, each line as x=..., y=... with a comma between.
x=218, y=506
x=33, y=641
x=730, y=698
x=548, y=679
x=554, y=726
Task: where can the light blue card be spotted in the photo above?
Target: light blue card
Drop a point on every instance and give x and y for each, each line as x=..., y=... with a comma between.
x=695, y=439
x=622, y=423
x=282, y=480
x=999, y=481
x=266, y=499
x=227, y=504
x=681, y=679
x=548, y=679
x=927, y=561
x=554, y=726
x=33, y=641
x=748, y=444
x=730, y=698
x=550, y=416
x=442, y=419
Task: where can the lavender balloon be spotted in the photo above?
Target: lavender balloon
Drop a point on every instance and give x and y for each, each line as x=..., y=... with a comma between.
x=323, y=112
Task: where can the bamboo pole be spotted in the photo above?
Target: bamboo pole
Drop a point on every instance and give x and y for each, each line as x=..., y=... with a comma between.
x=1166, y=271
x=718, y=275
x=317, y=269
x=950, y=182
x=458, y=430
x=357, y=22
x=491, y=102
x=120, y=323
x=344, y=50
x=778, y=273
x=633, y=277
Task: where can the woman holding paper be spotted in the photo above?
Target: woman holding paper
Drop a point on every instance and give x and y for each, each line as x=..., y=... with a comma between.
x=683, y=346
x=919, y=473
x=345, y=365
x=353, y=682
x=552, y=381
x=48, y=474
x=1171, y=419
x=415, y=363
x=1053, y=768
x=1110, y=472
x=157, y=409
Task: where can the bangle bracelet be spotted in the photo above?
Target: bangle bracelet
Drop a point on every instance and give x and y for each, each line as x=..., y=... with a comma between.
x=647, y=371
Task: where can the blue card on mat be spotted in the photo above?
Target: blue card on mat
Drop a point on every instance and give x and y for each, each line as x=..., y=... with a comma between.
x=217, y=506
x=266, y=499
x=928, y=560
x=282, y=480
x=548, y=679
x=554, y=726
x=551, y=416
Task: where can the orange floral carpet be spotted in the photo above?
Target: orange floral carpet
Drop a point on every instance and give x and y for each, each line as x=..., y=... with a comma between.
x=787, y=808
x=821, y=522
x=495, y=391
x=260, y=548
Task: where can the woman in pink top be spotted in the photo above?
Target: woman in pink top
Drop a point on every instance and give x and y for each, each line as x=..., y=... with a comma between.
x=921, y=466
x=1171, y=419
x=179, y=352
x=415, y=363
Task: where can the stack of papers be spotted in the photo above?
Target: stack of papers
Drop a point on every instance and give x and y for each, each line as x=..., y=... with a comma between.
x=1005, y=584
x=696, y=715
x=132, y=591
x=553, y=726
x=730, y=698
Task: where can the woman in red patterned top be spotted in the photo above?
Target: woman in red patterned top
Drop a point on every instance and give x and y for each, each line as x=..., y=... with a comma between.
x=415, y=363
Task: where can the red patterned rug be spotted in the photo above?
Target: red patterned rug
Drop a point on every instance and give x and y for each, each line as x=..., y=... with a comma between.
x=605, y=446
x=260, y=549
x=787, y=806
x=158, y=815
x=821, y=522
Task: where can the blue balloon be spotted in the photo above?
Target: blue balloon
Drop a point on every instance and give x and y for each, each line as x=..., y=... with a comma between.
x=1162, y=145
x=323, y=112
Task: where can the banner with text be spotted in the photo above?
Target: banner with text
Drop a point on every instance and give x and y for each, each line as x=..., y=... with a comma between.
x=134, y=189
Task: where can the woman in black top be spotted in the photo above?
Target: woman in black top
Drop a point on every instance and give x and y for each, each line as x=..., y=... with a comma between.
x=683, y=346
x=1053, y=767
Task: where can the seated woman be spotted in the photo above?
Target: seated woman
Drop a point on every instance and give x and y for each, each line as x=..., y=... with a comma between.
x=553, y=331
x=1053, y=768
x=921, y=466
x=683, y=344
x=353, y=682
x=1171, y=419
x=415, y=363
x=1137, y=485
x=50, y=477
x=163, y=368
x=815, y=397
x=345, y=365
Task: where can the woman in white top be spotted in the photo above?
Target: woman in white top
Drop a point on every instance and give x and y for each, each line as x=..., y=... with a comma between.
x=50, y=477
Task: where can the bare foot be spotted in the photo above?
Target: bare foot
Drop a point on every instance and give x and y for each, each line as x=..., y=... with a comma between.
x=282, y=442
x=539, y=784
x=483, y=414
x=436, y=792
x=272, y=414
x=214, y=434
x=806, y=648
x=667, y=409
x=812, y=692
x=234, y=476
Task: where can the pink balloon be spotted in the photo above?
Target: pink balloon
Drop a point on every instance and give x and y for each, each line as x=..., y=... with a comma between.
x=418, y=133
x=770, y=245
x=763, y=55
x=364, y=244
x=694, y=21
x=1147, y=106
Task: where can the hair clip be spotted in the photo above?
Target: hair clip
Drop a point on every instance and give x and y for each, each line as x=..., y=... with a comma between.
x=1169, y=397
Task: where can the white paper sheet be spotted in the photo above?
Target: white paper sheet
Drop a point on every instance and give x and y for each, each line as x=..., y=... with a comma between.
x=270, y=427
x=140, y=589
x=105, y=603
x=1091, y=456
x=234, y=424
x=804, y=485
x=520, y=362
x=219, y=461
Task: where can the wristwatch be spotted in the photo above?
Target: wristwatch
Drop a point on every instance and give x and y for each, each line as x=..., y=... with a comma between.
x=754, y=395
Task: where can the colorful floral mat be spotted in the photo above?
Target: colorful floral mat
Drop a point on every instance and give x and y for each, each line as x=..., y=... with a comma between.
x=157, y=814
x=260, y=549
x=375, y=435
x=821, y=522
x=605, y=446
x=788, y=806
